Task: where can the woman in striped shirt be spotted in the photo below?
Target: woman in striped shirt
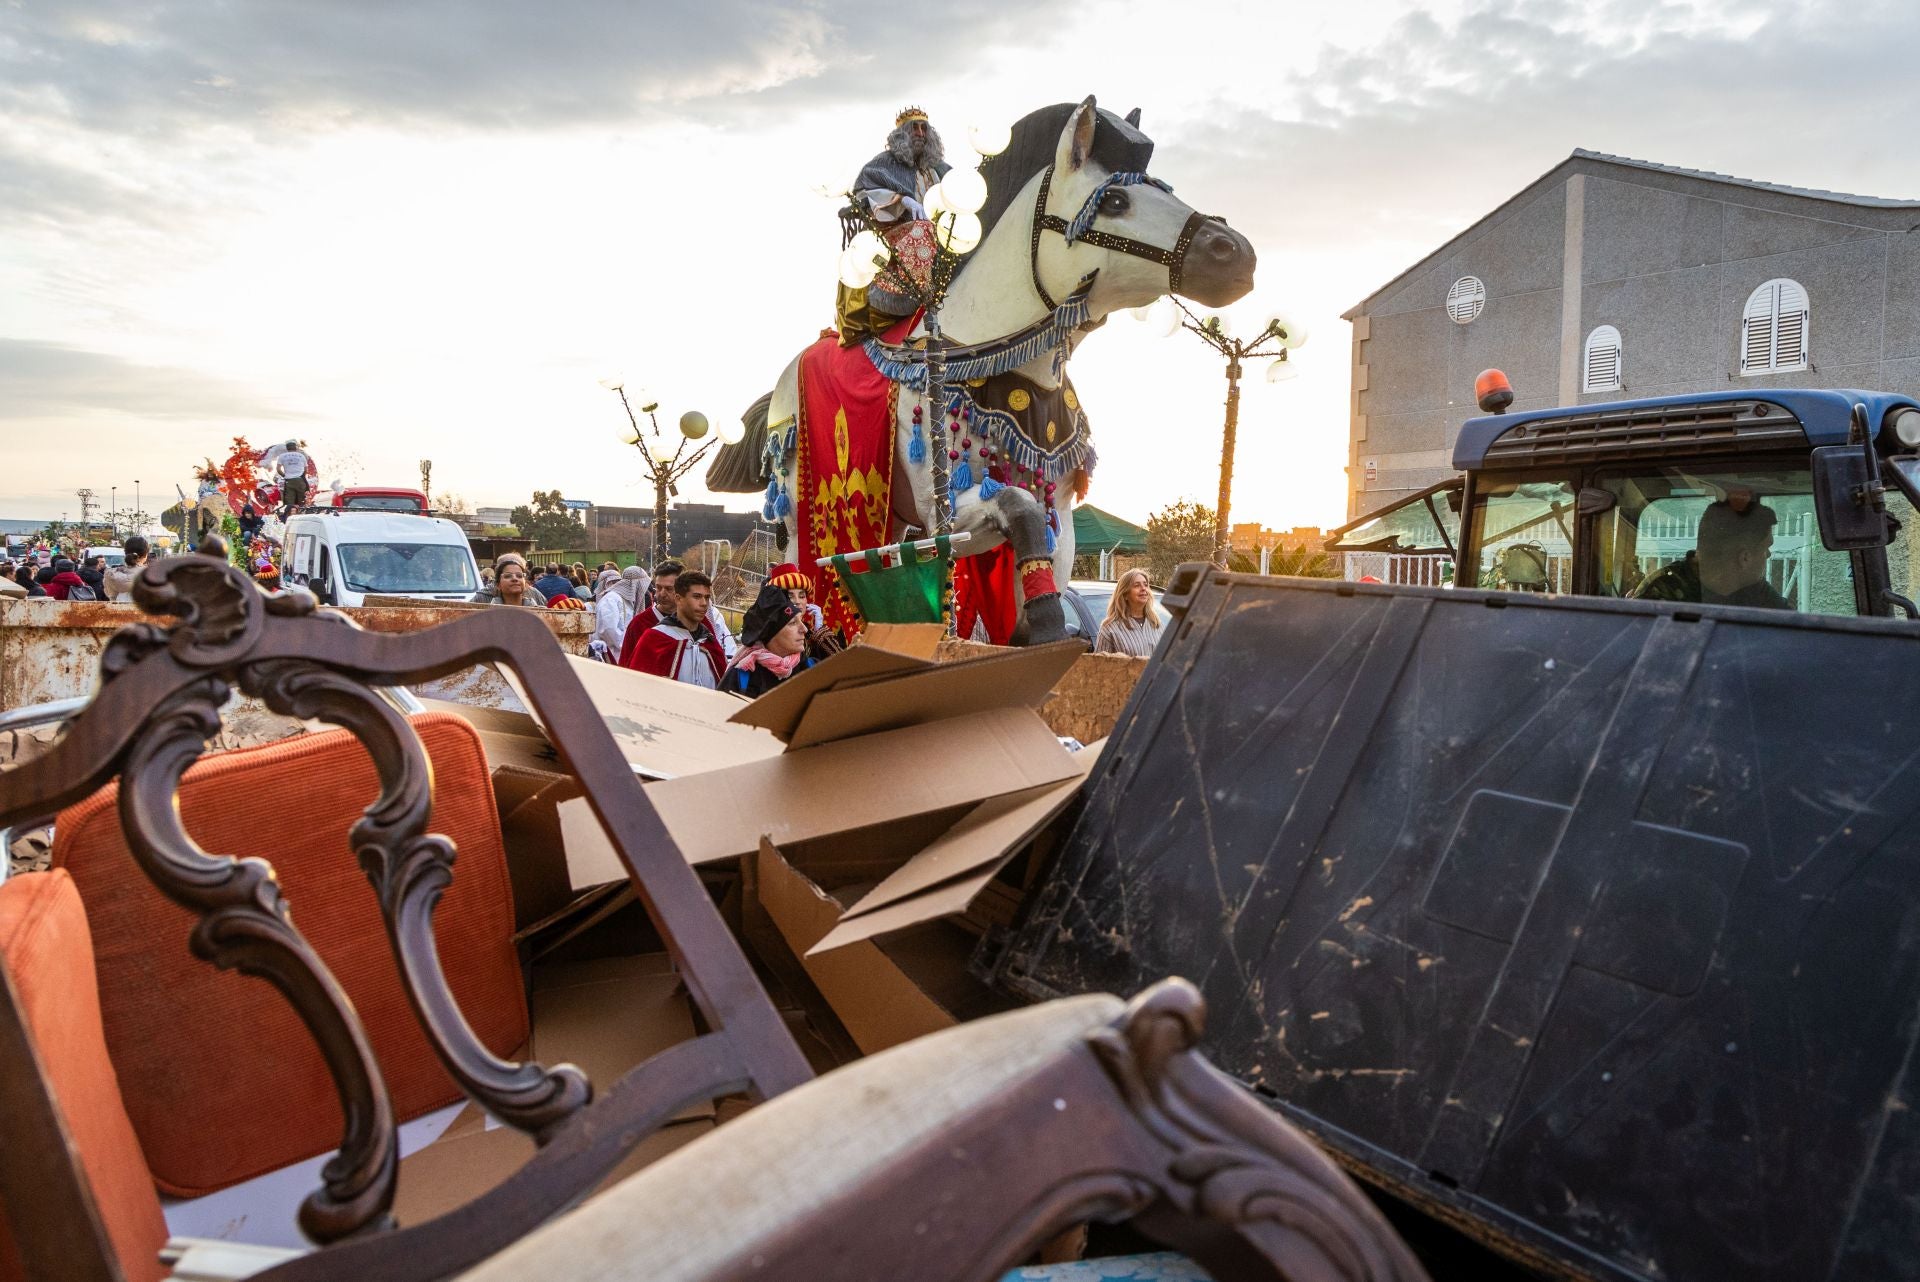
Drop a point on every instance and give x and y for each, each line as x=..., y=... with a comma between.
x=1133, y=624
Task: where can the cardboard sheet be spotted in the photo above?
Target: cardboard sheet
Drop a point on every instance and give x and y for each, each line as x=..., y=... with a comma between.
x=877, y=1002
x=1015, y=678
x=944, y=879
x=835, y=787
x=665, y=729
x=988, y=835
x=779, y=710
x=919, y=640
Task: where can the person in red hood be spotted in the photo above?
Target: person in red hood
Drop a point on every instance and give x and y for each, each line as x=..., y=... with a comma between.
x=64, y=580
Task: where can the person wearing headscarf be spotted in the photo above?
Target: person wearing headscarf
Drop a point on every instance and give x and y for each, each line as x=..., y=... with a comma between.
x=773, y=645
x=621, y=596
x=821, y=642
x=510, y=586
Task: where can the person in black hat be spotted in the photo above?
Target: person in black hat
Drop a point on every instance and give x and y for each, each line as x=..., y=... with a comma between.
x=773, y=645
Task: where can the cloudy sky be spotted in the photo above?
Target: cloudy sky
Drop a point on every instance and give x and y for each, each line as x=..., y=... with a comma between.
x=425, y=230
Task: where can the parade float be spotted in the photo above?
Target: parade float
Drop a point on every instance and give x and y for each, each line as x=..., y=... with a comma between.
x=937, y=418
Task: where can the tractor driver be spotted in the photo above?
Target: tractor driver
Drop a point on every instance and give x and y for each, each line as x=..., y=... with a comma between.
x=1734, y=545
x=1728, y=565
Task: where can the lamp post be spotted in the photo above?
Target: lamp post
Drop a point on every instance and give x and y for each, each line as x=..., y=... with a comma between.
x=113, y=514
x=663, y=454
x=1277, y=338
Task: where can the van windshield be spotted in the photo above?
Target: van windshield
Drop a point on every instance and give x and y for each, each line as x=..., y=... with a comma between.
x=406, y=567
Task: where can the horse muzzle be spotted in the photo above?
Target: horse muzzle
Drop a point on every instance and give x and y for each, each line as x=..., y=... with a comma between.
x=1217, y=267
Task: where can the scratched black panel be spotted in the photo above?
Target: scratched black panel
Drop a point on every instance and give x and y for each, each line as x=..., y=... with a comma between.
x=1597, y=921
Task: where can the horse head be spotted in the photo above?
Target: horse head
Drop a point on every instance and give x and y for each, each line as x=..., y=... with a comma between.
x=1070, y=201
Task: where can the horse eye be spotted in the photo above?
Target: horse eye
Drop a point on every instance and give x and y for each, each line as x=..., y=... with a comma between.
x=1115, y=202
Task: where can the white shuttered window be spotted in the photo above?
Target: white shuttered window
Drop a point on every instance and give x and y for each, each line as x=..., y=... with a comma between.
x=1603, y=372
x=1773, y=329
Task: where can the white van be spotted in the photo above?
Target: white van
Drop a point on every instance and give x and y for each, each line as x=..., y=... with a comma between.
x=342, y=555
x=115, y=556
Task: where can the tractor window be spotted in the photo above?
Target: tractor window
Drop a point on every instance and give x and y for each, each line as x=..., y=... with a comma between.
x=1427, y=522
x=1903, y=554
x=1723, y=538
x=1523, y=534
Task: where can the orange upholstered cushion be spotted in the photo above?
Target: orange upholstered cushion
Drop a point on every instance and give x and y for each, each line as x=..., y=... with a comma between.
x=221, y=1079
x=44, y=946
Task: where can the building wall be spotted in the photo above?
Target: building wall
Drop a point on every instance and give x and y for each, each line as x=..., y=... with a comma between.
x=1667, y=259
x=1414, y=367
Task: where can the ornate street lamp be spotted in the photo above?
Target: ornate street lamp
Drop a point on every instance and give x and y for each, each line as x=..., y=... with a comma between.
x=1278, y=337
x=663, y=453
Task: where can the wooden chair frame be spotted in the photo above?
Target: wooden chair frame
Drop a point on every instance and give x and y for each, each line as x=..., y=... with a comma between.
x=1174, y=1143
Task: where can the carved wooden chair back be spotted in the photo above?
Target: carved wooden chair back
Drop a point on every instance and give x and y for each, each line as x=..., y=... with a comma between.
x=159, y=702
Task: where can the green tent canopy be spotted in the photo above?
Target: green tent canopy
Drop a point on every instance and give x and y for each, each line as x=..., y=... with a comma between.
x=1097, y=531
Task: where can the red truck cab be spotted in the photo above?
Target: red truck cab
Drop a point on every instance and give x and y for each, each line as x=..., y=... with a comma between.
x=379, y=498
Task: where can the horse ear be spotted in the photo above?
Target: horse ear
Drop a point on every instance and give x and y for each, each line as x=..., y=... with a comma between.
x=1076, y=140
x=1133, y=117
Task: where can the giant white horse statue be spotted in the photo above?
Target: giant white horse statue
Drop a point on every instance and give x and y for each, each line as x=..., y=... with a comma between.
x=1074, y=229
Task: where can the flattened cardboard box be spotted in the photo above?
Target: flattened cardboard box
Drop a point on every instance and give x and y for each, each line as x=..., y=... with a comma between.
x=885, y=995
x=945, y=877
x=604, y=1016
x=835, y=787
x=664, y=729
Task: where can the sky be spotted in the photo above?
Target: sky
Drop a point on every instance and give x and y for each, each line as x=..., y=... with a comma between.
x=428, y=230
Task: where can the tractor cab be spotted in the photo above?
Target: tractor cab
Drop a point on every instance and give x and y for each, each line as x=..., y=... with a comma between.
x=1794, y=498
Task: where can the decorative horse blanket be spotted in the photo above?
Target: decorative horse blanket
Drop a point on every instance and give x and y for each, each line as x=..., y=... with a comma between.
x=844, y=439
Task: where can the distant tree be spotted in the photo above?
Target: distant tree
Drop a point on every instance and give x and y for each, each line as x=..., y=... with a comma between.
x=1182, y=532
x=548, y=522
x=1302, y=562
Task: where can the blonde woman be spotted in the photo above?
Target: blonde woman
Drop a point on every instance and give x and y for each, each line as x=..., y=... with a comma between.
x=1133, y=624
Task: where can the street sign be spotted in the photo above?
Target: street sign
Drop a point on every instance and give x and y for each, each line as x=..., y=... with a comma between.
x=578, y=505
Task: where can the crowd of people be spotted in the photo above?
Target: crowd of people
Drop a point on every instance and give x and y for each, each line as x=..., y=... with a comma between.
x=664, y=622
x=64, y=579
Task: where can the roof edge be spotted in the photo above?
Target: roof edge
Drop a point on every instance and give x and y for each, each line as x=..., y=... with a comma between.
x=1580, y=156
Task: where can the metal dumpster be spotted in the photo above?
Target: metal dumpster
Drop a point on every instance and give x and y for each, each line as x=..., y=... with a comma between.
x=1591, y=925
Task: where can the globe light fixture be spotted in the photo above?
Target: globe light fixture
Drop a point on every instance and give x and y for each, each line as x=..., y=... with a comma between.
x=662, y=448
x=867, y=244
x=1281, y=371
x=989, y=140
x=959, y=233
x=856, y=272
x=693, y=425
x=732, y=432
x=1289, y=331
x=936, y=203
x=965, y=190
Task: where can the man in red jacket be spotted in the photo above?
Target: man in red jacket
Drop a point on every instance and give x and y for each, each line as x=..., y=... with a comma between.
x=651, y=616
x=684, y=647
x=60, y=587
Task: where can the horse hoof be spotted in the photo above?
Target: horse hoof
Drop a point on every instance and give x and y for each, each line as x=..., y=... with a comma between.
x=1046, y=620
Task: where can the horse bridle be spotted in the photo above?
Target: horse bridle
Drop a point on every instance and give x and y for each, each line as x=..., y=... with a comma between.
x=1172, y=259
